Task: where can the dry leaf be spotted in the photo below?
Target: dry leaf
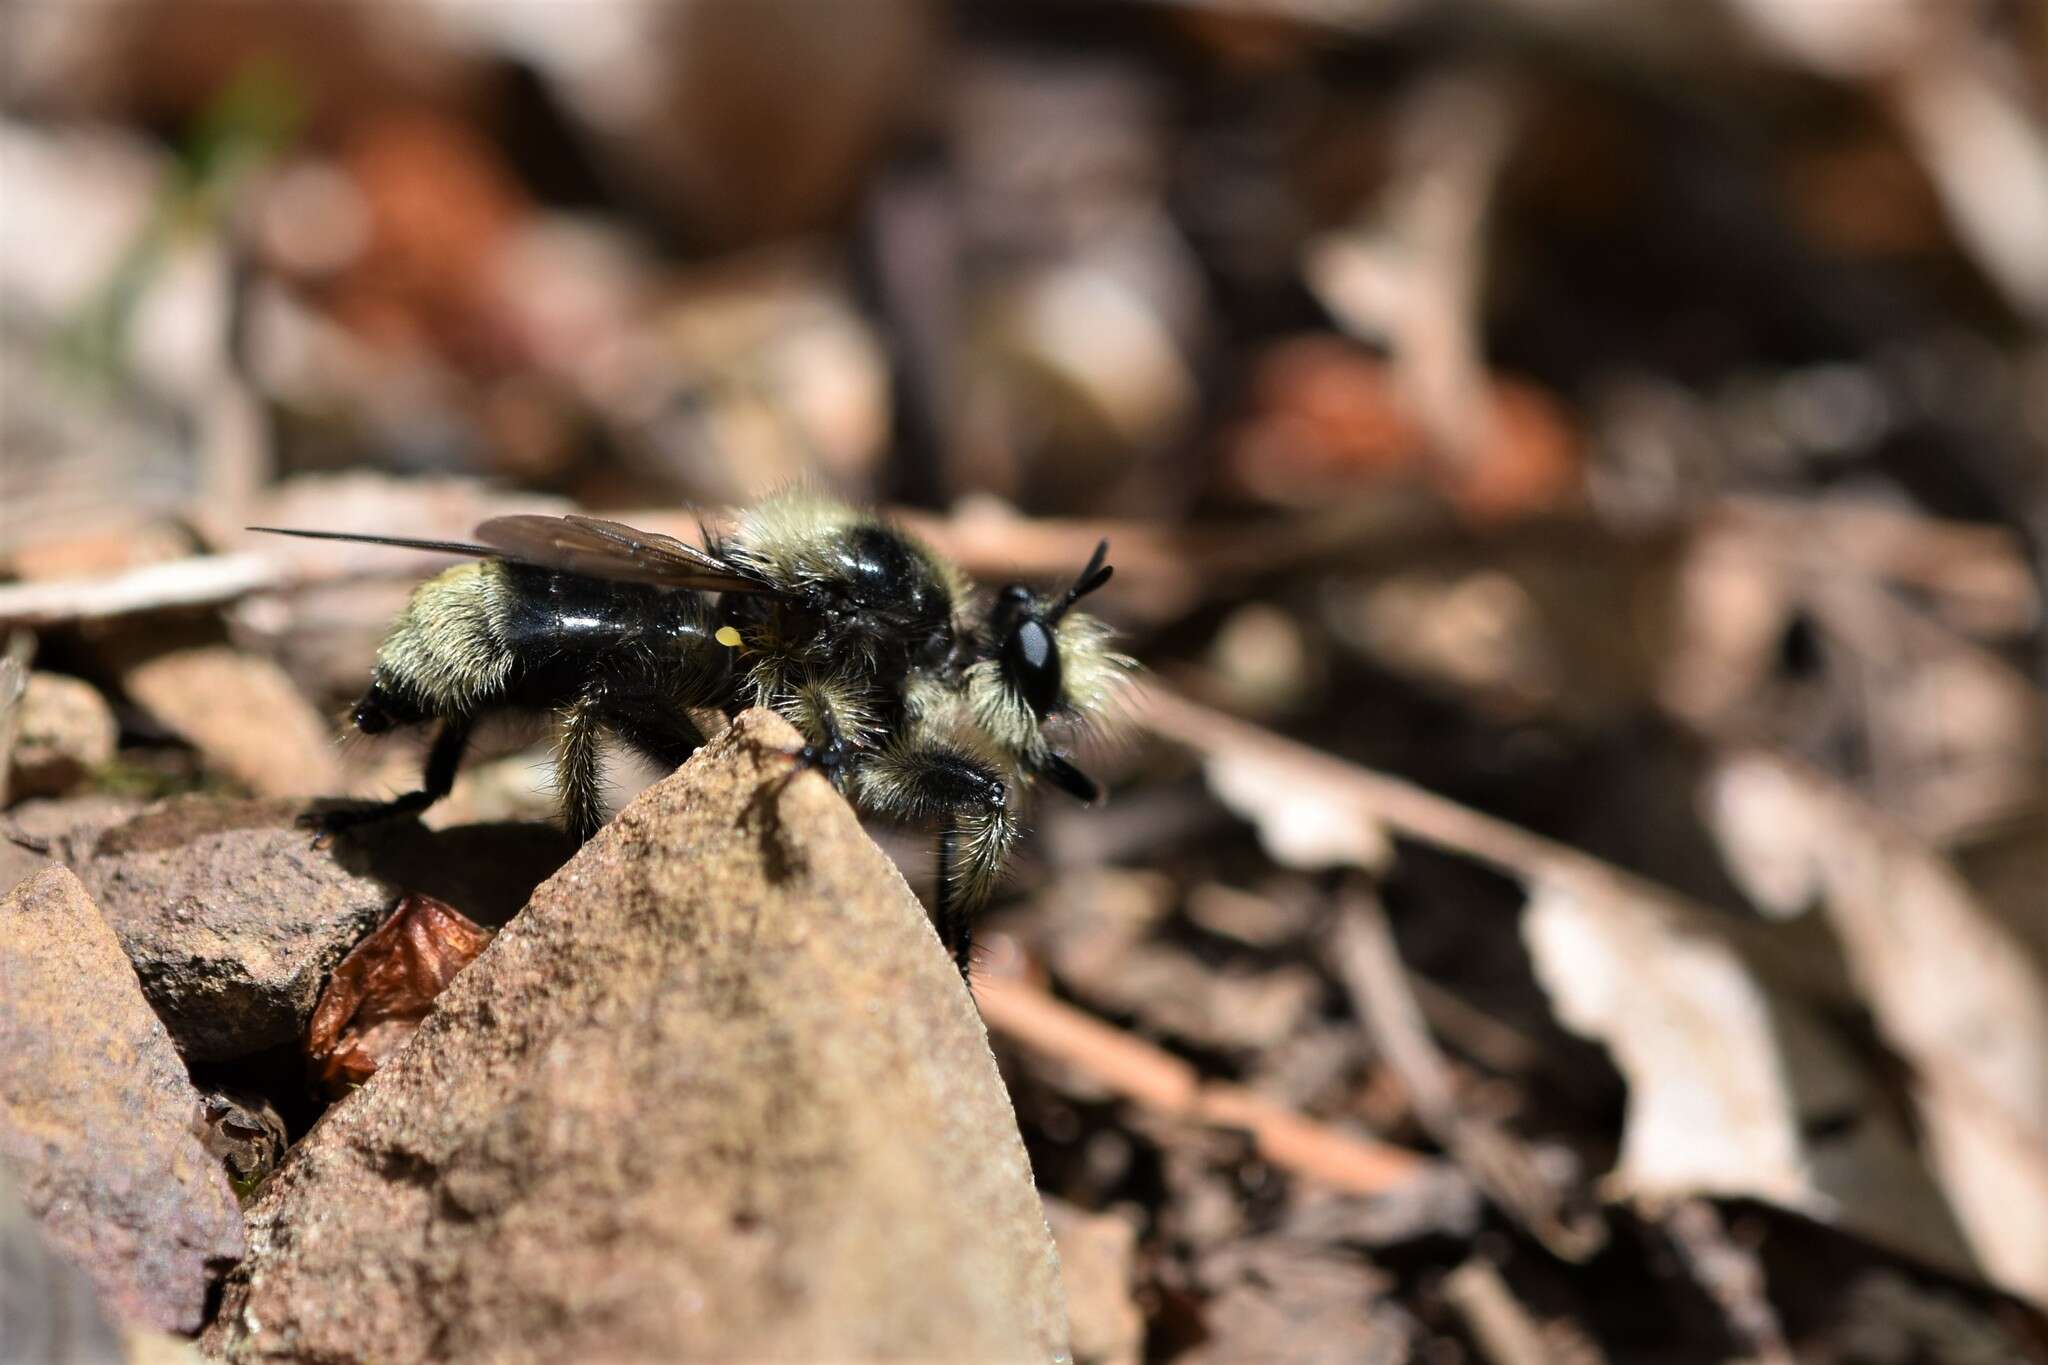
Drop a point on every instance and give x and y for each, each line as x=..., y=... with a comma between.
x=385, y=986
x=1733, y=1089
x=1306, y=818
x=1710, y=1109
x=1953, y=990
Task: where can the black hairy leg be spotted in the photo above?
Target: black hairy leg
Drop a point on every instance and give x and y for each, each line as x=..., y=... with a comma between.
x=648, y=725
x=443, y=759
x=970, y=802
x=955, y=925
x=579, y=784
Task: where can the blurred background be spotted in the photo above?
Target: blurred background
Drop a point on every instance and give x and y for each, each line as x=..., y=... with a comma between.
x=1577, y=475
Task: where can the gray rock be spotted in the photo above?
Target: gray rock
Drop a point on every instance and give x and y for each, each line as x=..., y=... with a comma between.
x=715, y=1094
x=48, y=1310
x=97, y=1114
x=233, y=918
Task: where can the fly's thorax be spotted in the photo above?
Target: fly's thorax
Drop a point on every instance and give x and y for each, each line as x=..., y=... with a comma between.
x=848, y=585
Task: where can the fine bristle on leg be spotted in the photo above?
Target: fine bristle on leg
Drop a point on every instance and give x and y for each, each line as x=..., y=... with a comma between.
x=578, y=785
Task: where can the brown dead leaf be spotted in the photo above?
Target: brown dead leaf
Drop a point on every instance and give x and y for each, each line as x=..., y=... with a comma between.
x=385, y=986
x=1737, y=1088
x=1953, y=990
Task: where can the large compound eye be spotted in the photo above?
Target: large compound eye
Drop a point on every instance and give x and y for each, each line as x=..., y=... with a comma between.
x=1031, y=660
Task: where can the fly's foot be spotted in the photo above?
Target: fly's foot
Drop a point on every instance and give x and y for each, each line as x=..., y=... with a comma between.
x=328, y=821
x=830, y=758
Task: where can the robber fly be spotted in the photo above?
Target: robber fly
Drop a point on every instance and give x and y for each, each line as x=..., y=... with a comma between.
x=922, y=697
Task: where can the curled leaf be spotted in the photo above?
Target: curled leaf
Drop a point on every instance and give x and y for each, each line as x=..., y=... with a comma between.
x=384, y=988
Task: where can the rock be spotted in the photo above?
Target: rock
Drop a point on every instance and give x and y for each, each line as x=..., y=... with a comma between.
x=48, y=1310
x=18, y=863
x=1097, y=1261
x=65, y=731
x=37, y=834
x=69, y=825
x=233, y=919
x=97, y=1113
x=14, y=655
x=244, y=714
x=715, y=1094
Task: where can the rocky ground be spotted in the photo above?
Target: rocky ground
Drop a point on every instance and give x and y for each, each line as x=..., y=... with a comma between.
x=1570, y=881
x=714, y=1093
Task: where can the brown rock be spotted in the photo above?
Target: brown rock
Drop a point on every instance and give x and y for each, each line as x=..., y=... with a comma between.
x=1097, y=1257
x=233, y=918
x=37, y=834
x=715, y=1094
x=64, y=730
x=19, y=862
x=96, y=1114
x=244, y=714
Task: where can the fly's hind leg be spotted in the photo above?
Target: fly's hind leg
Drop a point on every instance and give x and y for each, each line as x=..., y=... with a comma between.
x=439, y=776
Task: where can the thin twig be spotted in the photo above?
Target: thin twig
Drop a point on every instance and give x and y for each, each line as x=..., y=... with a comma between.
x=1370, y=967
x=1138, y=1071
x=1531, y=859
x=196, y=581
x=1732, y=1276
x=1503, y=1328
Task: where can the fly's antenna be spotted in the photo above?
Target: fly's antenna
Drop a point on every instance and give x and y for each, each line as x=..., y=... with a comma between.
x=1094, y=576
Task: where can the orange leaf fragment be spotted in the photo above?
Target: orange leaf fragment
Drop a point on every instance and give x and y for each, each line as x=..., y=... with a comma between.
x=383, y=989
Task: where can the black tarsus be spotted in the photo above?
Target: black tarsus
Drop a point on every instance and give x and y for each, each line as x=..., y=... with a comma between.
x=956, y=930
x=436, y=781
x=1071, y=780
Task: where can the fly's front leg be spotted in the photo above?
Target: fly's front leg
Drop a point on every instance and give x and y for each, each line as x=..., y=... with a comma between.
x=835, y=724
x=970, y=803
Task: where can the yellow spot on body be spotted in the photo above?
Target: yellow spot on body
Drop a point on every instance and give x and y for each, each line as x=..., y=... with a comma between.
x=728, y=637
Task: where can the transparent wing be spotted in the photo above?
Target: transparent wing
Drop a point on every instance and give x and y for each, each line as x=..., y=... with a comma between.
x=596, y=548
x=446, y=547
x=588, y=546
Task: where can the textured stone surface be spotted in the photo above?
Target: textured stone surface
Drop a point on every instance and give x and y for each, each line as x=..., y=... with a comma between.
x=244, y=713
x=37, y=834
x=97, y=1114
x=716, y=1094
x=64, y=730
x=234, y=919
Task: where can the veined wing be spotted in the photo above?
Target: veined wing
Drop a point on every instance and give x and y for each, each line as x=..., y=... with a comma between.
x=596, y=548
x=587, y=546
